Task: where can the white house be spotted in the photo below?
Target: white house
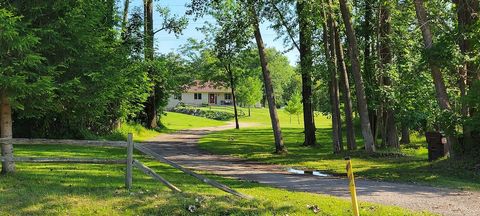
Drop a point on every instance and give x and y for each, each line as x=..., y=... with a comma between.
x=202, y=94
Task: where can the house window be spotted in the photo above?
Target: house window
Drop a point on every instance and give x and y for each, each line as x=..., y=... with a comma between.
x=228, y=96
x=177, y=97
x=197, y=96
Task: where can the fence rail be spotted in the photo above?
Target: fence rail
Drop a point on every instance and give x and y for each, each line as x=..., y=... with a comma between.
x=153, y=174
x=65, y=160
x=204, y=179
x=130, y=162
x=96, y=143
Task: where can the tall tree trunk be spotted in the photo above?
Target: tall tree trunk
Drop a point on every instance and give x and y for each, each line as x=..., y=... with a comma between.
x=232, y=85
x=390, y=129
x=126, y=7
x=359, y=86
x=405, y=135
x=306, y=67
x=151, y=105
x=345, y=88
x=329, y=46
x=440, y=89
x=8, y=166
x=267, y=81
x=369, y=72
x=467, y=14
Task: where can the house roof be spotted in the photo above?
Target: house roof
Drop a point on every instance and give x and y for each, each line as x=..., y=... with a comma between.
x=208, y=87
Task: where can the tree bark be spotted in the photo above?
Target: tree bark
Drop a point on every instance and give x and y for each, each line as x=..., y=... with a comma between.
x=440, y=89
x=467, y=14
x=306, y=66
x=345, y=88
x=390, y=135
x=405, y=135
x=359, y=86
x=329, y=45
x=151, y=105
x=8, y=166
x=232, y=85
x=369, y=72
x=267, y=80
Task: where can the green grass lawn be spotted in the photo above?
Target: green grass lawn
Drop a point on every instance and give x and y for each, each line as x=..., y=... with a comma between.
x=261, y=117
x=178, y=121
x=171, y=122
x=66, y=189
x=413, y=167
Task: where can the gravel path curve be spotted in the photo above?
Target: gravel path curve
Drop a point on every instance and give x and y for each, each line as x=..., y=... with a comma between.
x=181, y=148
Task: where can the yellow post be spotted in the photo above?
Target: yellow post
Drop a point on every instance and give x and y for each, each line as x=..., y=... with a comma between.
x=353, y=190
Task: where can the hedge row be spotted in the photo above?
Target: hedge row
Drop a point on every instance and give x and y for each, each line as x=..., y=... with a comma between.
x=210, y=114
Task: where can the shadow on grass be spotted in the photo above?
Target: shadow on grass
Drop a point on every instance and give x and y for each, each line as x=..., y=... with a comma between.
x=59, y=189
x=412, y=167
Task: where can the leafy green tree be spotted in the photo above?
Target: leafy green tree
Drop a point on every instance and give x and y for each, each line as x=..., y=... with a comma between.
x=249, y=92
x=294, y=107
x=96, y=83
x=282, y=73
x=229, y=42
x=20, y=80
x=171, y=24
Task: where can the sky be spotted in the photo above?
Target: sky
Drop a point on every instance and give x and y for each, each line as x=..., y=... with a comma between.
x=166, y=43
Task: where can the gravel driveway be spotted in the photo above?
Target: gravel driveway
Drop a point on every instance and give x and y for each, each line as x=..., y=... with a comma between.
x=181, y=148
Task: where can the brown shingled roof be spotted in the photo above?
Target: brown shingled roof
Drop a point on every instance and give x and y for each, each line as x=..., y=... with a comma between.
x=208, y=87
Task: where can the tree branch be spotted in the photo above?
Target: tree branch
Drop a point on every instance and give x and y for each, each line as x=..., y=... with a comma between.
x=284, y=23
x=159, y=30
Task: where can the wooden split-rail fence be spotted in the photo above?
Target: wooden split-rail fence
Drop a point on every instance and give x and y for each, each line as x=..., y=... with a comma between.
x=130, y=162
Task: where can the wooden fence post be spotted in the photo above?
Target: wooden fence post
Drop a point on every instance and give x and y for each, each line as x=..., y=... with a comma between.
x=128, y=173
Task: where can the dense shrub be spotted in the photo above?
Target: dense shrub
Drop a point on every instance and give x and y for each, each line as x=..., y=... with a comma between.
x=210, y=114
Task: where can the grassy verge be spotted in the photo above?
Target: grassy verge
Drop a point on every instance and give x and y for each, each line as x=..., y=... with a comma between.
x=65, y=189
x=411, y=166
x=171, y=122
x=178, y=121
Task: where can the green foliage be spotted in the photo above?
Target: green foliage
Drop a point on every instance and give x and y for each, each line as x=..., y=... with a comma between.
x=249, y=91
x=210, y=114
x=294, y=106
x=92, y=82
x=28, y=84
x=79, y=77
x=281, y=72
x=171, y=23
x=170, y=74
x=139, y=133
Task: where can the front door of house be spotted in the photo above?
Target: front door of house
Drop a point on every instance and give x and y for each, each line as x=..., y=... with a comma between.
x=211, y=98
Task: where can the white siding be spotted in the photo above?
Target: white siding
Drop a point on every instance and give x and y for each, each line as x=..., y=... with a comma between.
x=189, y=99
x=172, y=102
